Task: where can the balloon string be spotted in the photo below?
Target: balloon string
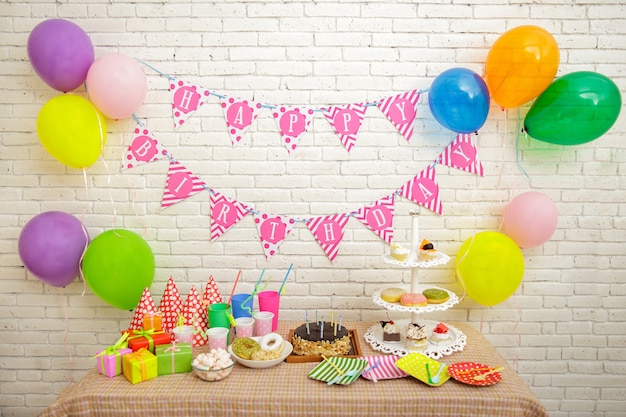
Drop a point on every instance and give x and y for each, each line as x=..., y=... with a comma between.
x=67, y=332
x=503, y=147
x=84, y=229
x=515, y=334
x=517, y=159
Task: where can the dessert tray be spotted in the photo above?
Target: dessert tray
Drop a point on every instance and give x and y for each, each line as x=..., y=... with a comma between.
x=456, y=343
x=413, y=262
x=426, y=309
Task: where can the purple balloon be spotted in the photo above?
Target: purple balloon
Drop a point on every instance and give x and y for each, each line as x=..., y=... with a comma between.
x=51, y=246
x=60, y=53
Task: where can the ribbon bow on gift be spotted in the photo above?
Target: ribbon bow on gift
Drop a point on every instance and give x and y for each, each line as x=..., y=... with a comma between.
x=147, y=334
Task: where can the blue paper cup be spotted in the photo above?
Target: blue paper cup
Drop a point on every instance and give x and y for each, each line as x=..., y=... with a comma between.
x=241, y=307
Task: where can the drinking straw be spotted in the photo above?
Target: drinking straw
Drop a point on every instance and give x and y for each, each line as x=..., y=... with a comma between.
x=254, y=292
x=280, y=291
x=234, y=285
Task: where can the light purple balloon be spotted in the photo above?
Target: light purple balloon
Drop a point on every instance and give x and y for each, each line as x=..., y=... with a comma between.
x=60, y=53
x=51, y=245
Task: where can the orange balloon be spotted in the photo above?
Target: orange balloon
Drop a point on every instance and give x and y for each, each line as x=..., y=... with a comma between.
x=521, y=65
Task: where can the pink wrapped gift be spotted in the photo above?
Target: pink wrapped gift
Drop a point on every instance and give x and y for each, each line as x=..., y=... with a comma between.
x=110, y=359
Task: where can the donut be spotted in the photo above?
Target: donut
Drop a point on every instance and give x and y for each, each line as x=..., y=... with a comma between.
x=271, y=341
x=436, y=296
x=244, y=347
x=392, y=295
x=413, y=300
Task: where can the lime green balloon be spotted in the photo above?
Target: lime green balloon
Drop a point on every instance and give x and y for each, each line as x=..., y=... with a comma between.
x=576, y=108
x=490, y=266
x=117, y=266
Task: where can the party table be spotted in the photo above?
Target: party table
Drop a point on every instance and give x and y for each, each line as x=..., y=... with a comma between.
x=287, y=390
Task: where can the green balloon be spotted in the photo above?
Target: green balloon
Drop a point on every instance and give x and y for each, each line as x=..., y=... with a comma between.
x=118, y=265
x=576, y=108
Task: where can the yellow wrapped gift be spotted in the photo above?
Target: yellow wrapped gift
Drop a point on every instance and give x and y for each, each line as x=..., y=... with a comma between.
x=139, y=366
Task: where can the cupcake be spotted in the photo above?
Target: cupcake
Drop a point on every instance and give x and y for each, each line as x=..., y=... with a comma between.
x=440, y=334
x=427, y=251
x=399, y=252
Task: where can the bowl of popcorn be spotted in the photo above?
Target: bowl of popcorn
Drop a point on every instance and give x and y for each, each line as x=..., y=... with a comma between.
x=214, y=365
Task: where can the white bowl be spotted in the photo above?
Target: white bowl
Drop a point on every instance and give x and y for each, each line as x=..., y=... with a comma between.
x=287, y=349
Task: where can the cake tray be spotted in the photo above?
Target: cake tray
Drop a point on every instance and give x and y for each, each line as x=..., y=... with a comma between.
x=355, y=351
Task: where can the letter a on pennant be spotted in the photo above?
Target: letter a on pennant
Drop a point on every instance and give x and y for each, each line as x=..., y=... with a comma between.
x=328, y=231
x=423, y=190
x=378, y=216
x=186, y=99
x=239, y=115
x=181, y=184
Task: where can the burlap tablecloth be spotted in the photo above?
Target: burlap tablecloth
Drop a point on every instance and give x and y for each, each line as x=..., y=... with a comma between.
x=286, y=390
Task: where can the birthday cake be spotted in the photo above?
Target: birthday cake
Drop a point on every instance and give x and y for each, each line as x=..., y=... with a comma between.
x=329, y=340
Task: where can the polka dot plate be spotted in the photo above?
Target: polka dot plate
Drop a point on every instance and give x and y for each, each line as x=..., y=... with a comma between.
x=414, y=364
x=466, y=371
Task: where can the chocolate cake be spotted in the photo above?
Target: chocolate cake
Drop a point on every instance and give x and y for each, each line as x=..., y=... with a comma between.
x=315, y=342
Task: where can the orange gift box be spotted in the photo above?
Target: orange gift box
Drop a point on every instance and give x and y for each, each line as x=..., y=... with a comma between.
x=147, y=339
x=153, y=321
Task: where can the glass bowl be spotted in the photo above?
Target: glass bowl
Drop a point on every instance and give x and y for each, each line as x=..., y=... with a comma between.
x=213, y=374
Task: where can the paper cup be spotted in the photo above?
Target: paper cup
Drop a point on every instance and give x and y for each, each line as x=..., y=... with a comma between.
x=263, y=323
x=242, y=305
x=245, y=327
x=217, y=337
x=269, y=301
x=183, y=334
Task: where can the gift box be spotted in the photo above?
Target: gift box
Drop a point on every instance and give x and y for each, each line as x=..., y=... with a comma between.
x=139, y=366
x=174, y=359
x=153, y=321
x=147, y=339
x=110, y=359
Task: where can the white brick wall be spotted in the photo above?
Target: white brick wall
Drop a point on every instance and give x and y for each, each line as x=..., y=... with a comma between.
x=568, y=314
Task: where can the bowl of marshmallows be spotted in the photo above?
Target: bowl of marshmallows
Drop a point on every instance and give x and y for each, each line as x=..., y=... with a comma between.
x=214, y=365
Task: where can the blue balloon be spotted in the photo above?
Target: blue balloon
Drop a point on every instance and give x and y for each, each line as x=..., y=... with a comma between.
x=459, y=100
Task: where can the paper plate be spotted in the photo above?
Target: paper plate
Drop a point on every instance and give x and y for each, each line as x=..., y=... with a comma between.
x=466, y=371
x=386, y=368
x=326, y=372
x=414, y=364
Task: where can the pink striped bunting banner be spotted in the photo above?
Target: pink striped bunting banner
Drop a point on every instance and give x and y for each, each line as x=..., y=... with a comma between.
x=423, y=190
x=378, y=216
x=346, y=120
x=181, y=184
x=328, y=231
x=401, y=110
x=225, y=213
x=463, y=154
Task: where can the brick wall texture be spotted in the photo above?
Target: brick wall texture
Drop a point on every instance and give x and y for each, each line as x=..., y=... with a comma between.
x=563, y=329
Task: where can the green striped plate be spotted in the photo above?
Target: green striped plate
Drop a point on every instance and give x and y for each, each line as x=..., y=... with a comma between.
x=325, y=372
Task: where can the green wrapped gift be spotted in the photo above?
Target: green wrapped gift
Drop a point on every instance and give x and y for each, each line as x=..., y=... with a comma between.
x=174, y=358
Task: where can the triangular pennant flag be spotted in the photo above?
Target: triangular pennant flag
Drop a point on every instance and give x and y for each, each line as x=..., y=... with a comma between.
x=144, y=148
x=423, y=190
x=239, y=115
x=181, y=184
x=292, y=123
x=462, y=154
x=401, y=110
x=211, y=293
x=186, y=99
x=346, y=120
x=225, y=213
x=195, y=315
x=273, y=229
x=379, y=217
x=170, y=306
x=145, y=305
x=328, y=231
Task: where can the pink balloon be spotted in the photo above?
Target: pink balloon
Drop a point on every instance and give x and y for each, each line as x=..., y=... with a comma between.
x=116, y=85
x=529, y=219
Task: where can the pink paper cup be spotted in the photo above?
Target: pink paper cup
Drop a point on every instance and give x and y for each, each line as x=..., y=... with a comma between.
x=244, y=327
x=217, y=337
x=183, y=334
x=269, y=301
x=263, y=323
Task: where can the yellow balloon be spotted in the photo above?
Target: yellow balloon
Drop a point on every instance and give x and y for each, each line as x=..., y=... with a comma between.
x=521, y=64
x=72, y=130
x=490, y=266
